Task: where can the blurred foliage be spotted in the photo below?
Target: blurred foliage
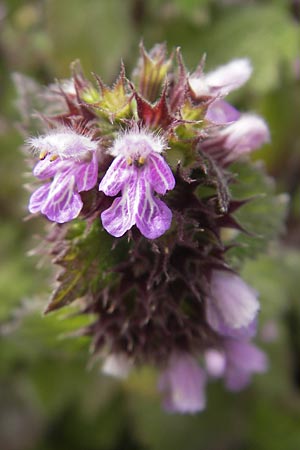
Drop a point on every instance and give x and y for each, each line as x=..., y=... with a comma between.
x=261, y=217
x=49, y=400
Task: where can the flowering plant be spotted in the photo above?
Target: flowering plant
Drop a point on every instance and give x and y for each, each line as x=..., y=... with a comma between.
x=138, y=180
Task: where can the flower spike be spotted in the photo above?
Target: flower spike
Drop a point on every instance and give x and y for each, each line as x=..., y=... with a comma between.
x=159, y=148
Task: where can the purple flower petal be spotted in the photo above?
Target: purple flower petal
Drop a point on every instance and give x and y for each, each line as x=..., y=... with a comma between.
x=183, y=385
x=137, y=205
x=138, y=170
x=62, y=204
x=214, y=362
x=86, y=174
x=216, y=321
x=115, y=177
x=242, y=360
x=161, y=177
x=120, y=217
x=153, y=217
x=46, y=168
x=222, y=80
x=232, y=303
x=230, y=76
x=245, y=135
x=221, y=112
x=38, y=198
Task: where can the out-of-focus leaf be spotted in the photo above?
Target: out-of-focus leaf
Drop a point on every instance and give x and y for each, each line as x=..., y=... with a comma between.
x=262, y=216
x=275, y=416
x=281, y=109
x=243, y=31
x=190, y=7
x=249, y=32
x=96, y=32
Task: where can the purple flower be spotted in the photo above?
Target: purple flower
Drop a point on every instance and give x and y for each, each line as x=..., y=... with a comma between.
x=221, y=112
x=183, y=385
x=242, y=360
x=138, y=171
x=232, y=306
x=70, y=160
x=243, y=136
x=215, y=362
x=223, y=80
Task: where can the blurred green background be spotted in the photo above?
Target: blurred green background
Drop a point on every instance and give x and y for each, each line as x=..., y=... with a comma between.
x=51, y=397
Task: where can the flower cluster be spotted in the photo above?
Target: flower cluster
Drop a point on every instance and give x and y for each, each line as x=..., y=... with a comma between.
x=123, y=167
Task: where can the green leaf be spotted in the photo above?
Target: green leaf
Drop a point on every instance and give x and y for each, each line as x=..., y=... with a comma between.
x=262, y=217
x=87, y=263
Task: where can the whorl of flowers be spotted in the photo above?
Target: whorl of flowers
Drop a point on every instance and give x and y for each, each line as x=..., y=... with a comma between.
x=121, y=170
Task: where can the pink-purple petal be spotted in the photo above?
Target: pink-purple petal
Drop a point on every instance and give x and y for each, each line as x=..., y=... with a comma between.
x=86, y=174
x=215, y=362
x=221, y=112
x=153, y=217
x=46, y=168
x=115, y=177
x=63, y=203
x=38, y=198
x=229, y=77
x=183, y=385
x=137, y=204
x=120, y=217
x=243, y=359
x=233, y=300
x=161, y=177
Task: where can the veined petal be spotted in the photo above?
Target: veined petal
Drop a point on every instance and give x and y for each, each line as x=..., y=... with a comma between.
x=120, y=217
x=115, y=177
x=46, y=169
x=63, y=203
x=86, y=174
x=161, y=177
x=38, y=198
x=153, y=217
